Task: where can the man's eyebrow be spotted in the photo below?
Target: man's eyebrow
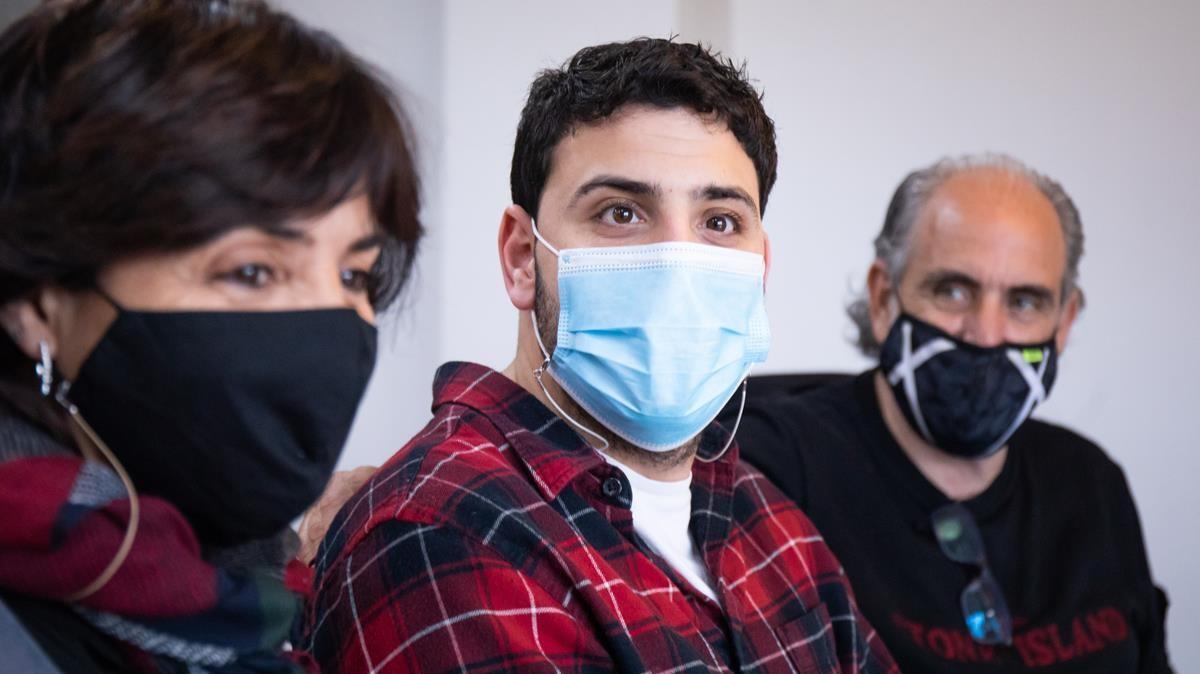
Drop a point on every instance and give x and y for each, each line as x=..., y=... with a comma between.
x=627, y=185
x=939, y=276
x=718, y=192
x=1039, y=291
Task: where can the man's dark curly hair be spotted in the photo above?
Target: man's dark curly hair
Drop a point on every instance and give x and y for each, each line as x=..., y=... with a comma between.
x=599, y=80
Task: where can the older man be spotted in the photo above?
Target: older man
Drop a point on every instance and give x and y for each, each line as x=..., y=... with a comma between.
x=579, y=511
x=978, y=541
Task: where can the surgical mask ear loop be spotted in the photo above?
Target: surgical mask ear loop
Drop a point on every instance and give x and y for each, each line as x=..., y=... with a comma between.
x=134, y=506
x=541, y=369
x=537, y=373
x=732, y=434
x=538, y=235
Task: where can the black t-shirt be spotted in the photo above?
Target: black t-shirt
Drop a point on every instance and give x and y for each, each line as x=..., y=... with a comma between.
x=1059, y=526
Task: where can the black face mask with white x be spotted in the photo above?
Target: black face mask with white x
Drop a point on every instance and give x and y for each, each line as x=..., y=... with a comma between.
x=964, y=399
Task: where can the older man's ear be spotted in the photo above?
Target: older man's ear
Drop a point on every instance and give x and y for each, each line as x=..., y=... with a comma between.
x=1067, y=320
x=879, y=295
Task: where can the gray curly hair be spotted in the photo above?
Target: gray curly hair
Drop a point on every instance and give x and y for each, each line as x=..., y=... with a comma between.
x=891, y=246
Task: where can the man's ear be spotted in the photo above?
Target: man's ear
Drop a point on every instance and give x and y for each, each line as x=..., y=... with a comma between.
x=26, y=323
x=516, y=244
x=1067, y=319
x=879, y=300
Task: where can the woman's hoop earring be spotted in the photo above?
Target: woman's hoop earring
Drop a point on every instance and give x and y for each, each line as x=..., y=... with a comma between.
x=45, y=368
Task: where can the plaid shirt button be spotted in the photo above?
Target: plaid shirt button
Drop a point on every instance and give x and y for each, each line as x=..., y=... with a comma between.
x=612, y=487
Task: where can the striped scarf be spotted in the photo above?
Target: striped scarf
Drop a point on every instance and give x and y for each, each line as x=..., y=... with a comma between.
x=171, y=605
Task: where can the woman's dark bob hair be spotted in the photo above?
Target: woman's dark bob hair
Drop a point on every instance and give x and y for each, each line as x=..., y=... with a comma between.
x=138, y=126
x=134, y=126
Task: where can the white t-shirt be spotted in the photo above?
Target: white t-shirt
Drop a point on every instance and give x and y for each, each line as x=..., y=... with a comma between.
x=661, y=512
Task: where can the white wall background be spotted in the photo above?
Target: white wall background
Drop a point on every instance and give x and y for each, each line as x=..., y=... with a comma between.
x=1104, y=96
x=11, y=9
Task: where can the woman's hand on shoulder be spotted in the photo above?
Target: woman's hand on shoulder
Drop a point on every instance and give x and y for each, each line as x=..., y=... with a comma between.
x=315, y=522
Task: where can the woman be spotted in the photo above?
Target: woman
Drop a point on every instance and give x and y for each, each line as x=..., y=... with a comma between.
x=202, y=206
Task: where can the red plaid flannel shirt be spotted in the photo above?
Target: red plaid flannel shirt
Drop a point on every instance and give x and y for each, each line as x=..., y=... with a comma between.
x=498, y=541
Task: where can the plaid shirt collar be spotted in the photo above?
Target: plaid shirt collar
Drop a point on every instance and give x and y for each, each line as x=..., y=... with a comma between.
x=554, y=453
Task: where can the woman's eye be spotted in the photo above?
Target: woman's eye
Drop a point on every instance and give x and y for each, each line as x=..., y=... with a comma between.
x=250, y=275
x=720, y=224
x=356, y=280
x=619, y=215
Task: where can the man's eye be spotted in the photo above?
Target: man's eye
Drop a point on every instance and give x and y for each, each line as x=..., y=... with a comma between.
x=356, y=280
x=619, y=215
x=953, y=293
x=720, y=224
x=250, y=275
x=1026, y=304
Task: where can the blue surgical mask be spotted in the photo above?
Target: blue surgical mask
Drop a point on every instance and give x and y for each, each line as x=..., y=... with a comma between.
x=653, y=340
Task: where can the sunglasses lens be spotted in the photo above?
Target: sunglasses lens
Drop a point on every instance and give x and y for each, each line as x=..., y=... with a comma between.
x=986, y=612
x=949, y=530
x=957, y=534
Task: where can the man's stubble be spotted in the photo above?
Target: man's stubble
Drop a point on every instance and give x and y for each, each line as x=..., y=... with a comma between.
x=546, y=318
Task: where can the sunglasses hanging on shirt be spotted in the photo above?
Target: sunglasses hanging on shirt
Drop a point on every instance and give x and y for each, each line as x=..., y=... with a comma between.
x=983, y=606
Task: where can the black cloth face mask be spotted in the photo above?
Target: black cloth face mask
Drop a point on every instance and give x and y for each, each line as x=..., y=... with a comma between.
x=964, y=399
x=236, y=418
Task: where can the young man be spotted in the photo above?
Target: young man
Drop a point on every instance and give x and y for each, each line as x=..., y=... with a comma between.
x=579, y=511
x=978, y=541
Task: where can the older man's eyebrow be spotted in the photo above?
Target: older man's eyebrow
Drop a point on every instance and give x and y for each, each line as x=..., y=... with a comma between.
x=939, y=277
x=720, y=192
x=618, y=183
x=1037, y=291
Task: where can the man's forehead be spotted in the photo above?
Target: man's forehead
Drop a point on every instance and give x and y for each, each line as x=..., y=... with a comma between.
x=653, y=113
x=671, y=147
x=997, y=189
x=993, y=224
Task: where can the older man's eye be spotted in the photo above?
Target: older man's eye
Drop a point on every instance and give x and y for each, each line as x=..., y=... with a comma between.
x=251, y=275
x=1027, y=304
x=952, y=294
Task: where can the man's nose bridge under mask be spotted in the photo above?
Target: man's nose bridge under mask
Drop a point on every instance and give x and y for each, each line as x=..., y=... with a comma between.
x=986, y=324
